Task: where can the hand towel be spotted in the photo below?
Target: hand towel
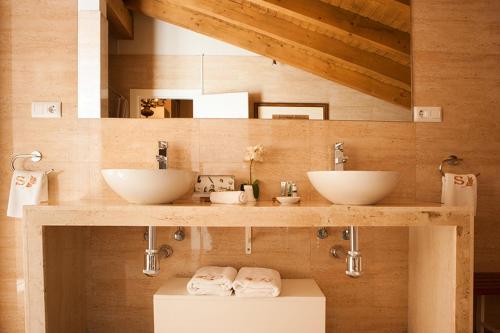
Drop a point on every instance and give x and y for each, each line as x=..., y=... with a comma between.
x=228, y=197
x=257, y=282
x=26, y=188
x=459, y=190
x=212, y=280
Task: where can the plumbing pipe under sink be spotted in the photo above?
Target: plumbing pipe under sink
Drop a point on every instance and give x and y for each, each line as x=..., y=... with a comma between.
x=151, y=259
x=152, y=255
x=354, y=259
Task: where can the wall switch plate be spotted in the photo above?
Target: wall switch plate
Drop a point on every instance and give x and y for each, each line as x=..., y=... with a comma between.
x=429, y=114
x=46, y=109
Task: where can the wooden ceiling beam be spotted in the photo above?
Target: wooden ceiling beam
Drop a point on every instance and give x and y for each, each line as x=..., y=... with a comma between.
x=252, y=17
x=344, y=23
x=391, y=13
x=120, y=19
x=404, y=2
x=270, y=47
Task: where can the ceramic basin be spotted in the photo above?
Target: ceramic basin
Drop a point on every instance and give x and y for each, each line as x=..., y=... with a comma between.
x=149, y=186
x=354, y=187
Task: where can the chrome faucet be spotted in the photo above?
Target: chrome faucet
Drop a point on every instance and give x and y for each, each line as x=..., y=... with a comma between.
x=339, y=159
x=162, y=156
x=162, y=159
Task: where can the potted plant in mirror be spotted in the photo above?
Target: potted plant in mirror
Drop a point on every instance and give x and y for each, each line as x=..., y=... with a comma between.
x=253, y=154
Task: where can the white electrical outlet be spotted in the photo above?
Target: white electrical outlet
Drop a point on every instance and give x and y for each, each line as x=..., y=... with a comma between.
x=429, y=114
x=46, y=109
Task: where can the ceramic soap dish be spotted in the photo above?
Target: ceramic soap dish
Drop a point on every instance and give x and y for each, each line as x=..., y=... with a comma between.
x=288, y=200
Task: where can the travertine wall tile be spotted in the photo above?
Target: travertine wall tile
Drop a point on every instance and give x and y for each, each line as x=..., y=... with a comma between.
x=455, y=65
x=456, y=55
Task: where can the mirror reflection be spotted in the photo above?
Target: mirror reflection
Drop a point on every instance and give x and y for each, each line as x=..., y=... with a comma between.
x=357, y=68
x=166, y=108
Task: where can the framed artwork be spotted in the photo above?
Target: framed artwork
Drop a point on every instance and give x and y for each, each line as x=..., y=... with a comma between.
x=313, y=111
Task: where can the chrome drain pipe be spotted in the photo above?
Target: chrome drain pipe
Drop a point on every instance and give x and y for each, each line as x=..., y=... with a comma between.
x=152, y=255
x=354, y=258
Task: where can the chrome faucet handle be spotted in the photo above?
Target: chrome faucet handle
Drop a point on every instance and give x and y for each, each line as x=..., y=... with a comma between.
x=339, y=146
x=162, y=156
x=341, y=160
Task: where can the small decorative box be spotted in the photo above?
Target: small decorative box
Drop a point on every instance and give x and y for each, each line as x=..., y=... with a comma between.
x=214, y=183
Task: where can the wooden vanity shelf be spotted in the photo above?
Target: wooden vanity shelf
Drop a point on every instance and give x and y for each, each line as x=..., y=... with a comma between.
x=440, y=258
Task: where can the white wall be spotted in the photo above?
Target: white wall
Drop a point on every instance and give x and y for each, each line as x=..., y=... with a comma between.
x=160, y=38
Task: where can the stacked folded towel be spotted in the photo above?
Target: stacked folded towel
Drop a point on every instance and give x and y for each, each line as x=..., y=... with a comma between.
x=212, y=280
x=248, y=282
x=257, y=282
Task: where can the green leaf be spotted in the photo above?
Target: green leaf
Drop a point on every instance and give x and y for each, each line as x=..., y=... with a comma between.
x=255, y=188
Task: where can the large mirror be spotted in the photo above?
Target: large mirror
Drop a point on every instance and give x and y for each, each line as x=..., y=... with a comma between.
x=266, y=59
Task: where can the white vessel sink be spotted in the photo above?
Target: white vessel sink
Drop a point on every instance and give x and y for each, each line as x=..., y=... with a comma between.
x=354, y=187
x=149, y=186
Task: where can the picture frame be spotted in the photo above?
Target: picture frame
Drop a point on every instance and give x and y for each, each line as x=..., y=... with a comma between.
x=312, y=111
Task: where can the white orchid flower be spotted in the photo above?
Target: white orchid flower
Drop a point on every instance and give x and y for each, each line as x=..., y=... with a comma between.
x=254, y=154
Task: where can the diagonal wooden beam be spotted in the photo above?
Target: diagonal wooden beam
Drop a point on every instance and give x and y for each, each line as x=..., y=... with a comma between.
x=404, y=2
x=392, y=13
x=344, y=23
x=270, y=47
x=252, y=17
x=120, y=19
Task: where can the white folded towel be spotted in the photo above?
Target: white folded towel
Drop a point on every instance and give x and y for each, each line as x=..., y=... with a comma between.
x=257, y=282
x=228, y=197
x=459, y=190
x=26, y=188
x=212, y=280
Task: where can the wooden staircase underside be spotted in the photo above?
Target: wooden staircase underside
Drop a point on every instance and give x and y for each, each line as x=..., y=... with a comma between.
x=362, y=44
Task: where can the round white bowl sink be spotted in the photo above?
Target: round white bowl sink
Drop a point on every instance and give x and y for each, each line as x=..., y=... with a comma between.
x=149, y=186
x=354, y=187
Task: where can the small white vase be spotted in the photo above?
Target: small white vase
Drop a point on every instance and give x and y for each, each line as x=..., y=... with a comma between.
x=249, y=192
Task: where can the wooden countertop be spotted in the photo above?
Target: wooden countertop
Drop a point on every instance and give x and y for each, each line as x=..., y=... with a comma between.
x=262, y=214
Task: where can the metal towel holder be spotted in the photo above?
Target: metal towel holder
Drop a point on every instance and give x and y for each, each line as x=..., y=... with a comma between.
x=35, y=156
x=451, y=160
